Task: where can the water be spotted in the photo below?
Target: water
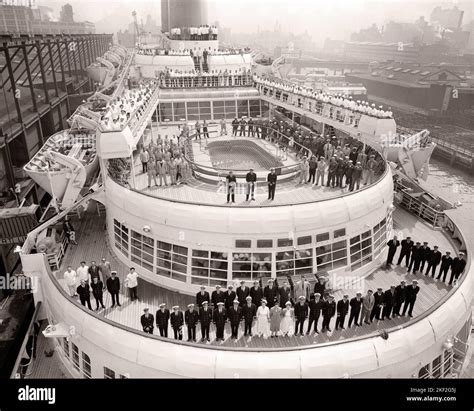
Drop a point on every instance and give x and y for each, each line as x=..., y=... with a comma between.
x=452, y=185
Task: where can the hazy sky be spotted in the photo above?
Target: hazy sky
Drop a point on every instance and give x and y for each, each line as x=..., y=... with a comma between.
x=321, y=18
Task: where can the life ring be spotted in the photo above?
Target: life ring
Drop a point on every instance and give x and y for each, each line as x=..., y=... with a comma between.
x=450, y=226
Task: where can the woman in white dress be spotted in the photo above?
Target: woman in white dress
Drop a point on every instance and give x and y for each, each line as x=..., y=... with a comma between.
x=286, y=325
x=263, y=320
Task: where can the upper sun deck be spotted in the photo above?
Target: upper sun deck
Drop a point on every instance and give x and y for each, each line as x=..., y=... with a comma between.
x=91, y=246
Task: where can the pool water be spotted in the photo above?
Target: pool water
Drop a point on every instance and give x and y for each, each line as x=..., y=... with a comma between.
x=241, y=155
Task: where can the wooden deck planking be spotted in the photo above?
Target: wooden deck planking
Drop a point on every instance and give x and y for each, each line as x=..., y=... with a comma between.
x=91, y=237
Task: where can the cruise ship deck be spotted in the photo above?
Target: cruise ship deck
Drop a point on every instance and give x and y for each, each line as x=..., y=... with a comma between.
x=91, y=246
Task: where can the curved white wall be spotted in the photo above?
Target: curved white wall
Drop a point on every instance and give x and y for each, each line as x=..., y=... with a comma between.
x=216, y=228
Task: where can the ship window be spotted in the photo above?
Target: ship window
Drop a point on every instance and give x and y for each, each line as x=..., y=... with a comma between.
x=66, y=347
x=86, y=365
x=242, y=108
x=171, y=261
x=361, y=250
x=304, y=240
x=254, y=108
x=75, y=356
x=285, y=242
x=230, y=109
x=165, y=111
x=243, y=243
x=142, y=250
x=251, y=266
x=264, y=243
x=207, y=266
x=294, y=262
x=121, y=237
x=218, y=109
x=331, y=256
x=322, y=237
x=339, y=233
x=109, y=374
x=380, y=236
x=179, y=111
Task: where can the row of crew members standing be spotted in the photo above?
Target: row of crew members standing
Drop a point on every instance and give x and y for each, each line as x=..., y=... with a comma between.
x=418, y=256
x=379, y=305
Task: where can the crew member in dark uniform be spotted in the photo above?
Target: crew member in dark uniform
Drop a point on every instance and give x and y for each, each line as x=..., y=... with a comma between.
x=301, y=312
x=113, y=287
x=378, y=304
x=256, y=292
x=177, y=321
x=284, y=294
x=201, y=296
x=315, y=307
x=249, y=312
x=231, y=182
x=433, y=261
x=147, y=321
x=415, y=259
x=251, y=128
x=251, y=179
x=271, y=180
x=97, y=291
x=329, y=310
x=270, y=293
x=412, y=291
x=229, y=296
x=356, y=304
x=218, y=296
x=191, y=318
x=162, y=318
x=205, y=318
x=457, y=267
x=390, y=301
x=243, y=123
x=407, y=246
x=235, y=126
x=342, y=310
x=84, y=294
x=424, y=255
x=220, y=317
x=400, y=297
x=392, y=249
x=446, y=262
x=235, y=315
x=242, y=293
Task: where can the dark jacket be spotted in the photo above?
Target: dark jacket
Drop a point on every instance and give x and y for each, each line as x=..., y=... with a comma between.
x=242, y=294
x=200, y=298
x=257, y=295
x=400, y=293
x=407, y=246
x=356, y=305
x=389, y=298
x=458, y=265
x=416, y=253
x=315, y=308
x=191, y=318
x=219, y=317
x=84, y=292
x=251, y=177
x=113, y=285
x=205, y=317
x=446, y=261
x=301, y=311
x=284, y=295
x=94, y=271
x=271, y=179
x=425, y=253
x=147, y=322
x=217, y=298
x=97, y=289
x=271, y=294
x=230, y=296
x=162, y=318
x=393, y=245
x=378, y=299
x=177, y=319
x=248, y=313
x=319, y=288
x=329, y=309
x=234, y=315
x=434, y=257
x=412, y=292
x=342, y=307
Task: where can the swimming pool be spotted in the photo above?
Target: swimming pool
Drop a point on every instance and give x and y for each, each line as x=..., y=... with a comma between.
x=241, y=155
